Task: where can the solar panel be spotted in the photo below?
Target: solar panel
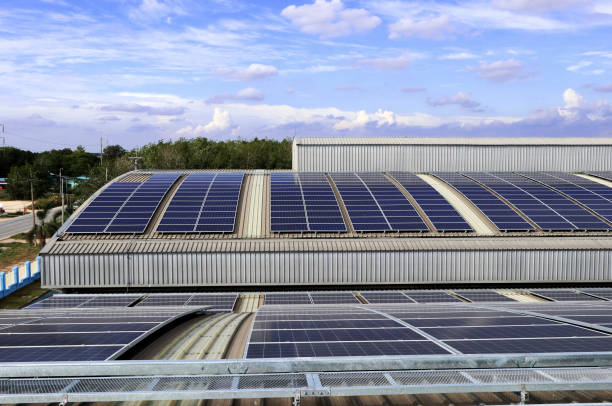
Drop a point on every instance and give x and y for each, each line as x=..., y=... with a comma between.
x=374, y=203
x=69, y=301
x=570, y=211
x=220, y=302
x=604, y=293
x=443, y=216
x=386, y=297
x=500, y=214
x=347, y=336
x=333, y=297
x=430, y=296
x=83, y=334
x=483, y=296
x=287, y=298
x=204, y=203
x=560, y=295
x=301, y=202
x=124, y=207
x=607, y=175
x=594, y=196
x=529, y=204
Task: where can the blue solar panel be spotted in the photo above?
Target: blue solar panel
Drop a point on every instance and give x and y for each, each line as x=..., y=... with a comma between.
x=572, y=212
x=500, y=214
x=530, y=205
x=303, y=202
x=124, y=207
x=375, y=204
x=593, y=195
x=443, y=216
x=204, y=202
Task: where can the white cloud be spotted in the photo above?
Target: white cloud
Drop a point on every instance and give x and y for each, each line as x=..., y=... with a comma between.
x=140, y=108
x=461, y=99
x=361, y=119
x=579, y=65
x=156, y=10
x=501, y=71
x=438, y=28
x=459, y=56
x=330, y=19
x=578, y=108
x=249, y=93
x=221, y=121
x=398, y=63
x=254, y=71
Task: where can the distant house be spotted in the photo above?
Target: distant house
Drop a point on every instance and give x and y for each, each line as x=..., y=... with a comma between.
x=3, y=183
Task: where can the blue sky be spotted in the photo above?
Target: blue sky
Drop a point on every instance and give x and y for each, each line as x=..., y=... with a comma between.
x=137, y=71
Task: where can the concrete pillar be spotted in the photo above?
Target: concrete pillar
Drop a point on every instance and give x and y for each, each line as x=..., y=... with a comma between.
x=28, y=267
x=16, y=275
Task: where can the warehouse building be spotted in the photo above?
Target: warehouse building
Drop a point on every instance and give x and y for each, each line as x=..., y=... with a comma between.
x=451, y=154
x=459, y=240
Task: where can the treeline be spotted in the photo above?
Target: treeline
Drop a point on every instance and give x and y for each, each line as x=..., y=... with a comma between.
x=198, y=153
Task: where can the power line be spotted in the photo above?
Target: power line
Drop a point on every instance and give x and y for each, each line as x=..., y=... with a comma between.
x=49, y=142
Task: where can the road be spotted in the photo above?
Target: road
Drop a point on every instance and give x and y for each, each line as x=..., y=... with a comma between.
x=20, y=224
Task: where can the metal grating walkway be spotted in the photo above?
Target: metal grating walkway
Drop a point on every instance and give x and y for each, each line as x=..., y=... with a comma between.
x=234, y=386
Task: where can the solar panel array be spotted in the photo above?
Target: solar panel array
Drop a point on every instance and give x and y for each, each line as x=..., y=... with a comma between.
x=124, y=207
x=539, y=212
x=607, y=175
x=572, y=212
x=410, y=329
x=593, y=195
x=301, y=202
x=500, y=214
x=203, y=203
x=443, y=216
x=220, y=302
x=310, y=298
x=31, y=335
x=72, y=301
x=326, y=331
x=483, y=296
x=561, y=295
x=604, y=293
x=375, y=204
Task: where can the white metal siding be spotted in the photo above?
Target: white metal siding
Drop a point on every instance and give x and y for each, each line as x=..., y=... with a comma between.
x=319, y=268
x=429, y=158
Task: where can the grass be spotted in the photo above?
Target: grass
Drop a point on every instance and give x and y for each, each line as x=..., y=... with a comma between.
x=20, y=236
x=14, y=253
x=4, y=195
x=23, y=296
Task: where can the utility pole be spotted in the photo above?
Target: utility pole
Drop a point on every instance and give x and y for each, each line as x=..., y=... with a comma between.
x=135, y=158
x=32, y=198
x=62, y=192
x=101, y=150
x=3, y=137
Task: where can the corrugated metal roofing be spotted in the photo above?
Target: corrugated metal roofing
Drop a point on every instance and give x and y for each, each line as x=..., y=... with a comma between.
x=329, y=245
x=451, y=141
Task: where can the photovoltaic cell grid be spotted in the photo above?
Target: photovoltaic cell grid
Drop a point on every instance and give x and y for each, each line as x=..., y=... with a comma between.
x=74, y=335
x=531, y=206
x=220, y=302
x=68, y=301
x=287, y=298
x=572, y=212
x=203, y=203
x=124, y=207
x=593, y=195
x=483, y=296
x=410, y=329
x=304, y=331
x=375, y=204
x=604, y=293
x=443, y=216
x=500, y=214
x=560, y=295
x=607, y=175
x=473, y=330
x=301, y=202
